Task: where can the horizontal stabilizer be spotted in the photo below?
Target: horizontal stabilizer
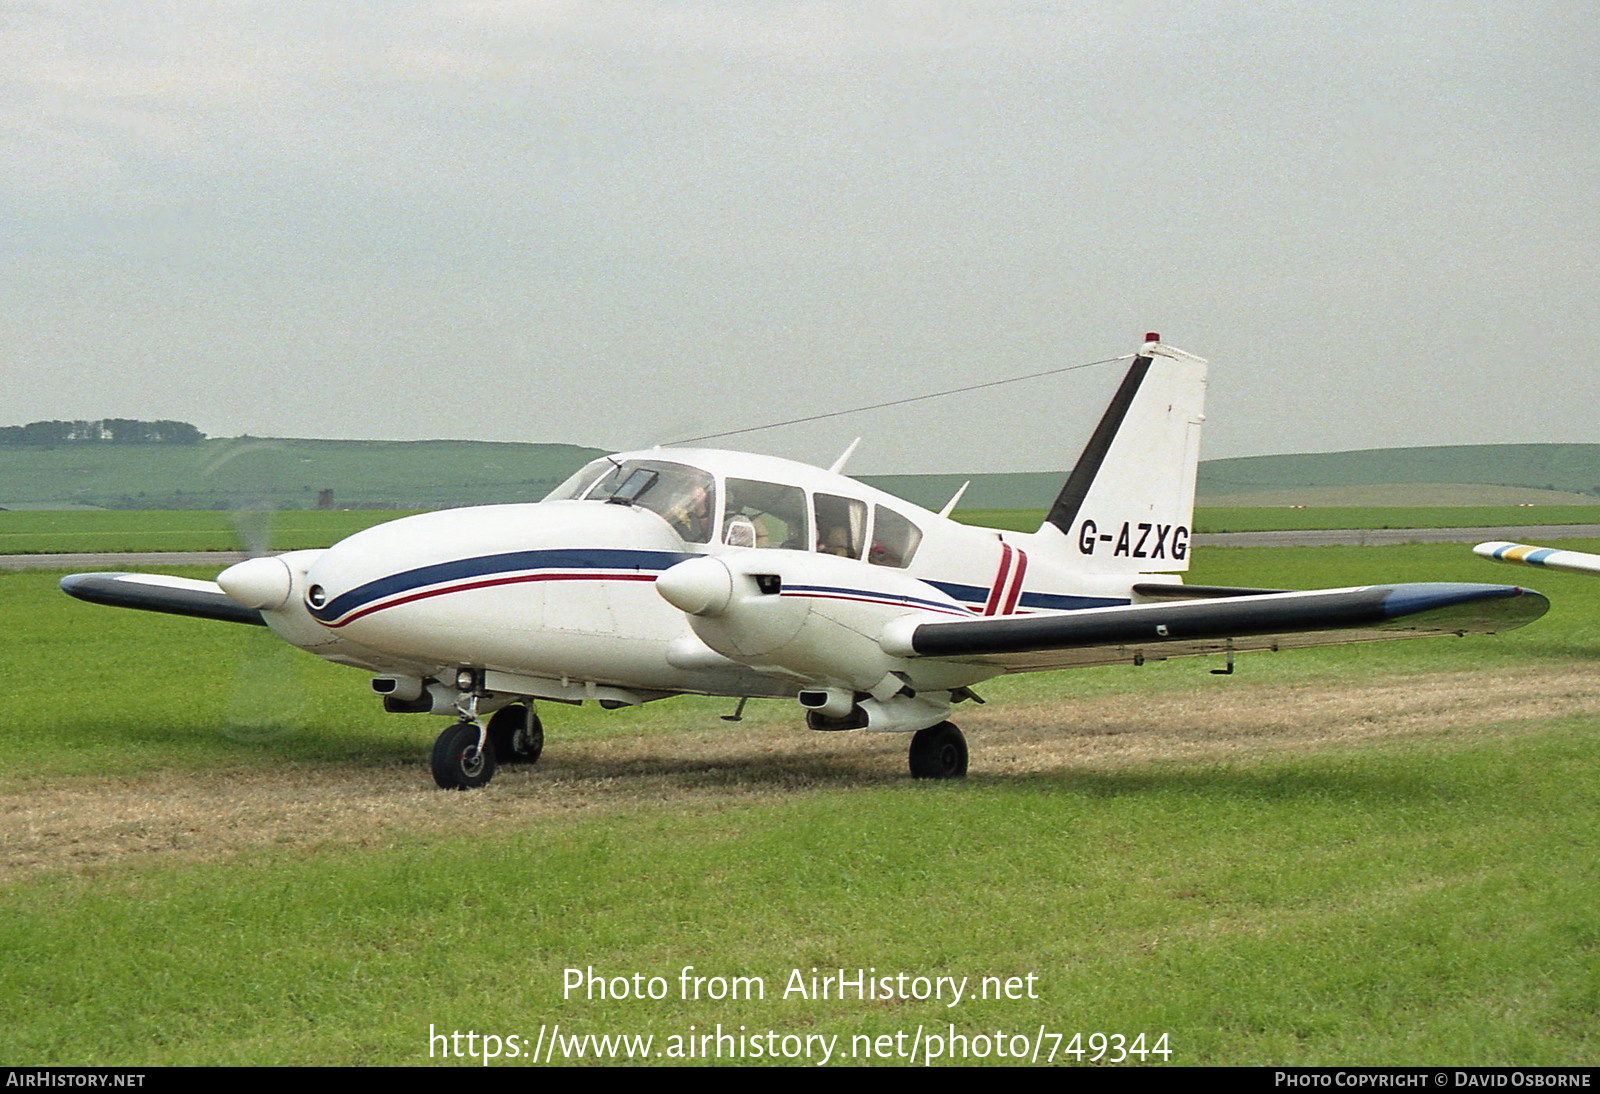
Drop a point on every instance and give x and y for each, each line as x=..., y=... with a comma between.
x=159, y=593
x=1140, y=632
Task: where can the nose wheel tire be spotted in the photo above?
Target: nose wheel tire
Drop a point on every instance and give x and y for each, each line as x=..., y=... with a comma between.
x=939, y=752
x=458, y=762
x=517, y=734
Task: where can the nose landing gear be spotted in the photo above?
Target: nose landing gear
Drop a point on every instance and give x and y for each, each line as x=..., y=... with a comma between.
x=463, y=758
x=465, y=755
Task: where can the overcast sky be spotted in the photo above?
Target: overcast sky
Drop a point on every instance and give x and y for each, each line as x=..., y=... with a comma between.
x=622, y=223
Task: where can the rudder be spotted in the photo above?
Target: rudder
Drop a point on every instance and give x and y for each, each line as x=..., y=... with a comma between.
x=1128, y=505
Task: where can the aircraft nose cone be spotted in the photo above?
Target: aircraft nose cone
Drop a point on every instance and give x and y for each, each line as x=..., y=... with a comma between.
x=700, y=586
x=261, y=583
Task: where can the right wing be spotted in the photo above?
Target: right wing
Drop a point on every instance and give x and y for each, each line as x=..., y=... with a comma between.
x=1261, y=621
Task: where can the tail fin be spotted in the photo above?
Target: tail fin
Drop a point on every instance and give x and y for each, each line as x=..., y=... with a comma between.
x=1128, y=505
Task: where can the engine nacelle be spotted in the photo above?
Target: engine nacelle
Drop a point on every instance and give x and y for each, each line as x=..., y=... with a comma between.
x=814, y=618
x=896, y=714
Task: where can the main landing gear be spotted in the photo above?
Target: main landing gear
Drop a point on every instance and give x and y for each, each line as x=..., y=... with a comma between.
x=939, y=752
x=465, y=755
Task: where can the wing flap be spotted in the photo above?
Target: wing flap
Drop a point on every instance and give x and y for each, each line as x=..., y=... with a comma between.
x=160, y=593
x=1099, y=636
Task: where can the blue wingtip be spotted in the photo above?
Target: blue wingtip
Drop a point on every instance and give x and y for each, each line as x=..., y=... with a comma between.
x=1418, y=597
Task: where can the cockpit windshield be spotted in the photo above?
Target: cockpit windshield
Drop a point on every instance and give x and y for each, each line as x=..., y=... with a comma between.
x=686, y=497
x=580, y=480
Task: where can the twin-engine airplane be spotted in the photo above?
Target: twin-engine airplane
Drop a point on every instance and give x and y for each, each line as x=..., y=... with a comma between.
x=692, y=571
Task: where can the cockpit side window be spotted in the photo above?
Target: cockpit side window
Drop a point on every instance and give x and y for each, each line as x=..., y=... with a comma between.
x=841, y=525
x=765, y=514
x=686, y=497
x=894, y=539
x=580, y=480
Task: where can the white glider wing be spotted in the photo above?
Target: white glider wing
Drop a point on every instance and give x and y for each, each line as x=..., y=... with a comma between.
x=1546, y=558
x=1219, y=624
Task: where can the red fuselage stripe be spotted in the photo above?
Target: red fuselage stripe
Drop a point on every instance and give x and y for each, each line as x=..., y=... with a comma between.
x=1015, y=593
x=997, y=591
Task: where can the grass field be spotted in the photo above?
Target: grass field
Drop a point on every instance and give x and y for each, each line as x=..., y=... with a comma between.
x=34, y=532
x=214, y=849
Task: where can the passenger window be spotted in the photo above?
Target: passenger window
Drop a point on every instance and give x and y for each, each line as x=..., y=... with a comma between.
x=765, y=514
x=841, y=525
x=894, y=539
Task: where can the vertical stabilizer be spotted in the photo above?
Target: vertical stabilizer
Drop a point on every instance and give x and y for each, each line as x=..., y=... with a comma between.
x=1128, y=505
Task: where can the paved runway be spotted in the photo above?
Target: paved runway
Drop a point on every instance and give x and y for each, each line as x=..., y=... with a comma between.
x=1354, y=537
x=1383, y=537
x=219, y=559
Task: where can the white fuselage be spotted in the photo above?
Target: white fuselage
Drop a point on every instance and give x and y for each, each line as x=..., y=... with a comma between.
x=558, y=599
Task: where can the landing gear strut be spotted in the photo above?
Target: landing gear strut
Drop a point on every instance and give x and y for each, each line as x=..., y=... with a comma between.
x=939, y=752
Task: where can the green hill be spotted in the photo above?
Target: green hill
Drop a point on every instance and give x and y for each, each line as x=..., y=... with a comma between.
x=286, y=473
x=1503, y=474
x=290, y=474
x=1566, y=468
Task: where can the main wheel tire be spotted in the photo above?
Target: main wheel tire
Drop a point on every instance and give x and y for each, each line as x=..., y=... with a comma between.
x=517, y=733
x=458, y=762
x=939, y=752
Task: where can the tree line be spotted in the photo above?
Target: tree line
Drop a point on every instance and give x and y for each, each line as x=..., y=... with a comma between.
x=102, y=431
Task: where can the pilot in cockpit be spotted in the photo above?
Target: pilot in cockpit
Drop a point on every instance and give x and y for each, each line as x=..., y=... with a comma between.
x=690, y=515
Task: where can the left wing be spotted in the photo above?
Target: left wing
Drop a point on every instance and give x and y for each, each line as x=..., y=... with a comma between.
x=160, y=593
x=1259, y=621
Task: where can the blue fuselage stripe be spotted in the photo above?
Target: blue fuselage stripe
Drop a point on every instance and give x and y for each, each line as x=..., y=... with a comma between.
x=1053, y=602
x=910, y=601
x=486, y=565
